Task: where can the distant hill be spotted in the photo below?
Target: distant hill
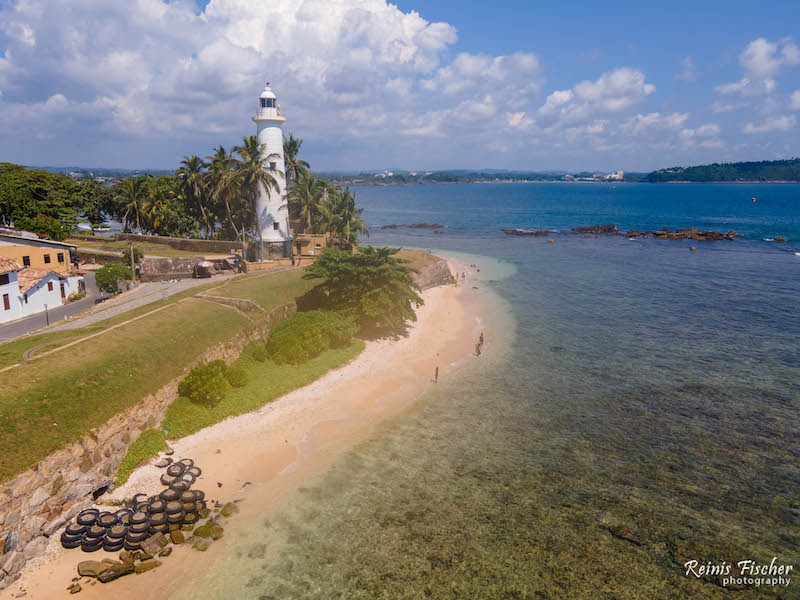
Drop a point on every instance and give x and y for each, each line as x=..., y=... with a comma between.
x=767, y=170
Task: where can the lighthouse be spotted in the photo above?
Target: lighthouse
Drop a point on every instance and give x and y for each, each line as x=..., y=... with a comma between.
x=271, y=205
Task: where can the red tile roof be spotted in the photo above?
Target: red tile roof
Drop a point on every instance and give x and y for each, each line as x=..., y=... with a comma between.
x=7, y=265
x=30, y=277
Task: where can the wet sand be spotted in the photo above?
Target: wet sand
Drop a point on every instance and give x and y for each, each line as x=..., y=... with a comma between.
x=262, y=457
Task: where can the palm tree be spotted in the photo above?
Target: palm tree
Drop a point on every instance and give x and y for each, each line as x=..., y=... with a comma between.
x=347, y=222
x=254, y=172
x=308, y=199
x=131, y=195
x=224, y=183
x=294, y=166
x=193, y=187
x=154, y=208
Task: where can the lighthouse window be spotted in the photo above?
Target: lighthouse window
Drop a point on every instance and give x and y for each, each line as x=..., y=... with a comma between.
x=272, y=165
x=275, y=226
x=263, y=103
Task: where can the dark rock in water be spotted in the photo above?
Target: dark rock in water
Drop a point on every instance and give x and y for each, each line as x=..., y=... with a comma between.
x=116, y=572
x=733, y=234
x=526, y=232
x=623, y=533
x=779, y=239
x=389, y=226
x=92, y=568
x=632, y=233
x=597, y=229
x=687, y=233
x=209, y=530
x=147, y=565
x=200, y=544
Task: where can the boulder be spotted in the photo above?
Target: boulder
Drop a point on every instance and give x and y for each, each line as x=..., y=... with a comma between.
x=200, y=544
x=36, y=547
x=176, y=536
x=780, y=239
x=11, y=562
x=166, y=551
x=147, y=565
x=92, y=568
x=74, y=588
x=733, y=234
x=154, y=544
x=54, y=525
x=209, y=530
x=116, y=572
x=11, y=542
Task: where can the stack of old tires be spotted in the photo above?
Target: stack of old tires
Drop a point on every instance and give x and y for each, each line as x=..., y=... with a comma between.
x=173, y=508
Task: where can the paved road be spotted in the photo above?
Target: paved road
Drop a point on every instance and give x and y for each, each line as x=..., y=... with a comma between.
x=39, y=320
x=142, y=294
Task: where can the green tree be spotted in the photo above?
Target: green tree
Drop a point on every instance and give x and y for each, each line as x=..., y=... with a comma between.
x=344, y=219
x=372, y=285
x=153, y=209
x=225, y=186
x=193, y=188
x=254, y=171
x=308, y=200
x=109, y=276
x=130, y=196
x=138, y=255
x=295, y=167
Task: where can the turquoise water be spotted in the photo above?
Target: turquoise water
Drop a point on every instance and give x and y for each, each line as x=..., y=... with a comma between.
x=638, y=408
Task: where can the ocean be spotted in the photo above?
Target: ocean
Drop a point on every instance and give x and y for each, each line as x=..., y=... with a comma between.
x=637, y=409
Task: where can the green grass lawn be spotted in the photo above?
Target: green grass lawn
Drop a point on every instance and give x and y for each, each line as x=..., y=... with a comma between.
x=147, y=248
x=267, y=290
x=266, y=382
x=55, y=400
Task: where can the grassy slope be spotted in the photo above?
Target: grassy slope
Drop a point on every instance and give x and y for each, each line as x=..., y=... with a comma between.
x=55, y=400
x=267, y=290
x=147, y=248
x=266, y=382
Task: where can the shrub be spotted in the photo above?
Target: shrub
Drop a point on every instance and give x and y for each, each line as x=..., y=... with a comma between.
x=138, y=255
x=260, y=352
x=236, y=376
x=75, y=296
x=305, y=335
x=205, y=384
x=110, y=275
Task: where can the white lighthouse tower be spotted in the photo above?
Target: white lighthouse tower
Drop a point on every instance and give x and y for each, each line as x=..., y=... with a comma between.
x=271, y=206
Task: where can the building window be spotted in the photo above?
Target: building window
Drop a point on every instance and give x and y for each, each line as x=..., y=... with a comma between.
x=6, y=302
x=25, y=296
x=49, y=286
x=275, y=227
x=318, y=245
x=47, y=259
x=26, y=261
x=4, y=279
x=61, y=257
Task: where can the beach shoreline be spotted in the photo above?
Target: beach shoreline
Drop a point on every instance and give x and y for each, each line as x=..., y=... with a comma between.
x=262, y=457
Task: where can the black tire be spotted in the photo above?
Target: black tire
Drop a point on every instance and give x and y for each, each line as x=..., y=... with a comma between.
x=188, y=478
x=158, y=519
x=139, y=528
x=187, y=462
x=191, y=519
x=131, y=546
x=179, y=485
x=113, y=546
x=199, y=495
x=143, y=507
x=122, y=512
x=94, y=532
x=92, y=545
x=157, y=506
x=107, y=520
x=169, y=495
x=190, y=507
x=67, y=538
x=70, y=544
x=176, y=469
x=117, y=532
x=139, y=498
x=125, y=519
x=167, y=479
x=173, y=507
x=189, y=496
x=159, y=529
x=177, y=517
x=87, y=517
x=135, y=538
x=138, y=518
x=73, y=529
x=196, y=471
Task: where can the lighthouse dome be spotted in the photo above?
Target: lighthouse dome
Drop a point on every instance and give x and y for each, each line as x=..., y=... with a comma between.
x=267, y=93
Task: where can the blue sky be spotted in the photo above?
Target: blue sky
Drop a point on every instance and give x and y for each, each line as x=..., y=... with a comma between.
x=416, y=85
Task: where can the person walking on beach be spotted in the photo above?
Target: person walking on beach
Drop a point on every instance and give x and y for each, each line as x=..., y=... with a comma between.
x=480, y=340
x=436, y=376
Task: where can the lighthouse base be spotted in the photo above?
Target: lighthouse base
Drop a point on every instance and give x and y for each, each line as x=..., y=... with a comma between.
x=259, y=251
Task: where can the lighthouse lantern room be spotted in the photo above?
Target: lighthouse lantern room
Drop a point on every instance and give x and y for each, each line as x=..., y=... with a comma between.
x=271, y=205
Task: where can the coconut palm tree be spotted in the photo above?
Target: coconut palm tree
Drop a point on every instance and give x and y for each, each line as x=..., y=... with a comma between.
x=225, y=184
x=308, y=200
x=153, y=209
x=294, y=166
x=254, y=171
x=131, y=195
x=193, y=188
x=346, y=220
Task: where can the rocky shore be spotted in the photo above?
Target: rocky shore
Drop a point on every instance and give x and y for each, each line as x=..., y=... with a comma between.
x=415, y=226
x=688, y=233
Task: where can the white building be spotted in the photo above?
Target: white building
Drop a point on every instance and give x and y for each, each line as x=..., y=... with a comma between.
x=272, y=205
x=10, y=309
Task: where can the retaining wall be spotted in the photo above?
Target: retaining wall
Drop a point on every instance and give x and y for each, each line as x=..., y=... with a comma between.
x=188, y=244
x=38, y=503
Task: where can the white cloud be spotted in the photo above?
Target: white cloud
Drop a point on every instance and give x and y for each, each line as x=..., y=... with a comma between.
x=794, y=101
x=762, y=61
x=616, y=90
x=719, y=107
x=688, y=71
x=784, y=123
x=642, y=123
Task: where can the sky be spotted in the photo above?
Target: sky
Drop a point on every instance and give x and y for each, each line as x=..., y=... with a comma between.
x=525, y=85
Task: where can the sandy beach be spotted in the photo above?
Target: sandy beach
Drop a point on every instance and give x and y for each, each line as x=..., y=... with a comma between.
x=262, y=457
